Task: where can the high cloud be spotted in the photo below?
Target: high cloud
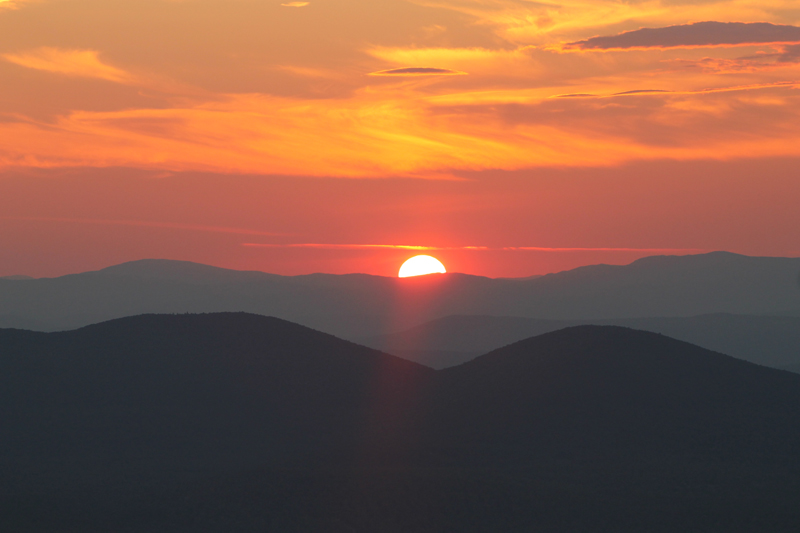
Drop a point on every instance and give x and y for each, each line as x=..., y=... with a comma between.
x=81, y=63
x=694, y=35
x=376, y=136
x=786, y=56
x=418, y=71
x=292, y=94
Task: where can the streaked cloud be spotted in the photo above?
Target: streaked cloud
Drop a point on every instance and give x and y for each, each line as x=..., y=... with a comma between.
x=382, y=134
x=661, y=92
x=293, y=97
x=472, y=60
x=296, y=4
x=81, y=63
x=253, y=109
x=698, y=34
x=644, y=250
x=622, y=93
x=418, y=71
x=10, y=4
x=640, y=91
x=333, y=246
x=759, y=62
x=548, y=23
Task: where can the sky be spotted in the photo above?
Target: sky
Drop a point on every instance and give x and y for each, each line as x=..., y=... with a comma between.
x=504, y=137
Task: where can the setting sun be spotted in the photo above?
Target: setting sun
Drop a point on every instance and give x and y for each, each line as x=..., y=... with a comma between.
x=420, y=265
x=613, y=345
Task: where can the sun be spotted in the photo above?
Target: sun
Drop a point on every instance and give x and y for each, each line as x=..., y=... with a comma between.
x=420, y=265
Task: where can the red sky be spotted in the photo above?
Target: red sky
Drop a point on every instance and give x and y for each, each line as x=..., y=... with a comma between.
x=506, y=137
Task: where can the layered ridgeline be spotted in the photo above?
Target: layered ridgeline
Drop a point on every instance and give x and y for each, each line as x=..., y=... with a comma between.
x=355, y=306
x=766, y=340
x=236, y=422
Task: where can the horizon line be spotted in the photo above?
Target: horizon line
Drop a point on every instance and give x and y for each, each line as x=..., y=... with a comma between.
x=795, y=255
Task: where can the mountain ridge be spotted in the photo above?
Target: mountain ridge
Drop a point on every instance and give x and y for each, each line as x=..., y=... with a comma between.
x=357, y=305
x=654, y=391
x=207, y=423
x=188, y=384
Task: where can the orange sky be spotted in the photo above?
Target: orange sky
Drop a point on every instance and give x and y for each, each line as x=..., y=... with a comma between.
x=509, y=137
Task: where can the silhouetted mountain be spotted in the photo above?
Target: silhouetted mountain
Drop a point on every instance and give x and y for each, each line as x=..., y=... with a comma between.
x=181, y=271
x=234, y=422
x=601, y=392
x=17, y=278
x=766, y=340
x=358, y=305
x=195, y=393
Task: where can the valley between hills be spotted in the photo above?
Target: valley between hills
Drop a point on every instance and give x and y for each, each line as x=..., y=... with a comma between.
x=186, y=418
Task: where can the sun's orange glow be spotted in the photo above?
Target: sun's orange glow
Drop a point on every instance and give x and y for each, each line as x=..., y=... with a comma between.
x=421, y=265
x=509, y=138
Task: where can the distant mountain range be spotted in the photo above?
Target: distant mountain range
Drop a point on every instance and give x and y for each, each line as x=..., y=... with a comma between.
x=766, y=340
x=358, y=305
x=237, y=422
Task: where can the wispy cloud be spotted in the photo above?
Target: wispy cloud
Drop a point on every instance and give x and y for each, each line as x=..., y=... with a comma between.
x=450, y=60
x=82, y=63
x=786, y=56
x=419, y=248
x=328, y=246
x=295, y=4
x=540, y=23
x=699, y=34
x=648, y=250
x=303, y=113
x=10, y=4
x=662, y=92
x=378, y=135
x=418, y=71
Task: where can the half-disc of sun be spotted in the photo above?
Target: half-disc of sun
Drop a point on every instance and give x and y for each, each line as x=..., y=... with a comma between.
x=420, y=265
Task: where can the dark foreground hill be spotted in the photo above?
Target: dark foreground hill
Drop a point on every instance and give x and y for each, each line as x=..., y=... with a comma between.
x=766, y=340
x=235, y=422
x=136, y=397
x=624, y=393
x=358, y=305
